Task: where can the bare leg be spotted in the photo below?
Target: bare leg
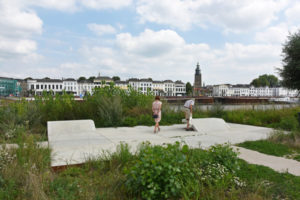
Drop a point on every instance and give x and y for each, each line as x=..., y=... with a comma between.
x=187, y=124
x=155, y=127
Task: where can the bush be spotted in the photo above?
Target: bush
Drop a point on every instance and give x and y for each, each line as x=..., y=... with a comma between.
x=129, y=121
x=160, y=172
x=289, y=123
x=169, y=172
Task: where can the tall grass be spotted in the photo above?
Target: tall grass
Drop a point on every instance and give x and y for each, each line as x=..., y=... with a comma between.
x=285, y=118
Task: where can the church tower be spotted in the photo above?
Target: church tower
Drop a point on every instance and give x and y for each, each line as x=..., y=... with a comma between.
x=197, y=81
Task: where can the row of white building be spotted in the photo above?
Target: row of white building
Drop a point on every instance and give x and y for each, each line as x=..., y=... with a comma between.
x=81, y=88
x=247, y=90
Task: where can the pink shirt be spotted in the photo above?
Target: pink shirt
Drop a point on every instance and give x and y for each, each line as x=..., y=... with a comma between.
x=156, y=105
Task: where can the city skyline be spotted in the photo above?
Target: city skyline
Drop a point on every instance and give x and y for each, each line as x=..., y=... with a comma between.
x=233, y=41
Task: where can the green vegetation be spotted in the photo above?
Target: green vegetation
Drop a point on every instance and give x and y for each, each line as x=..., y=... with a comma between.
x=285, y=119
x=164, y=172
x=116, y=78
x=81, y=78
x=189, y=88
x=264, y=180
x=153, y=172
x=290, y=72
x=279, y=144
x=265, y=80
x=267, y=147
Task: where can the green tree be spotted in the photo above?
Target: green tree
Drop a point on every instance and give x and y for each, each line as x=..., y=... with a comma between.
x=290, y=72
x=92, y=78
x=188, y=88
x=265, y=80
x=116, y=78
x=81, y=78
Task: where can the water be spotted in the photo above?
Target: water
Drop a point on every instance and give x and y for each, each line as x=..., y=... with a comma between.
x=206, y=107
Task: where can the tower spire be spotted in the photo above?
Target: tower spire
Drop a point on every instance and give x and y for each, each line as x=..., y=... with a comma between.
x=197, y=81
x=198, y=69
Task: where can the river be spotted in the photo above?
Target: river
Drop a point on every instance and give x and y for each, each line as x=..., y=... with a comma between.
x=206, y=107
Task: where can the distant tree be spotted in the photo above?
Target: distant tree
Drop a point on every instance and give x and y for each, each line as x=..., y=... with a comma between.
x=189, y=88
x=92, y=78
x=28, y=78
x=82, y=78
x=265, y=80
x=47, y=78
x=290, y=72
x=116, y=78
x=273, y=81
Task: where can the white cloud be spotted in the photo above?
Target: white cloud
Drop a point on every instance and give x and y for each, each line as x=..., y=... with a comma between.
x=71, y=66
x=171, y=12
x=62, y=5
x=166, y=55
x=233, y=15
x=10, y=46
x=150, y=43
x=17, y=25
x=18, y=21
x=75, y=5
x=293, y=13
x=70, y=5
x=273, y=35
x=105, y=4
x=101, y=29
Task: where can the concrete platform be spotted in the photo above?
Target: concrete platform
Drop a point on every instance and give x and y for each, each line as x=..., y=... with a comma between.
x=73, y=142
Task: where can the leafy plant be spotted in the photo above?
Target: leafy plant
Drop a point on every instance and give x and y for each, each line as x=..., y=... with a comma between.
x=160, y=172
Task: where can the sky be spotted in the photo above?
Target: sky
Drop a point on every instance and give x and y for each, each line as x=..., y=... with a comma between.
x=234, y=41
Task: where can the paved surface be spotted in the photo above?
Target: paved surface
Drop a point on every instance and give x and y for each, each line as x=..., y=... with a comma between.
x=277, y=163
x=73, y=142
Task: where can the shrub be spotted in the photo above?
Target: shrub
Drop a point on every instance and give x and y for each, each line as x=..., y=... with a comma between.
x=129, y=121
x=288, y=123
x=169, y=172
x=160, y=172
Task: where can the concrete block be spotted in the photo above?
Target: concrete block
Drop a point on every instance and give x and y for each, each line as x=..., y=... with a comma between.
x=57, y=130
x=205, y=125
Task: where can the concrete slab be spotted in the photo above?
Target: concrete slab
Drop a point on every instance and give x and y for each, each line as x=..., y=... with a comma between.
x=73, y=142
x=206, y=125
x=58, y=129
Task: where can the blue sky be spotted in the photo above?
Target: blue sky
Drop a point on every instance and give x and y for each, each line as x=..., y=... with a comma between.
x=234, y=41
